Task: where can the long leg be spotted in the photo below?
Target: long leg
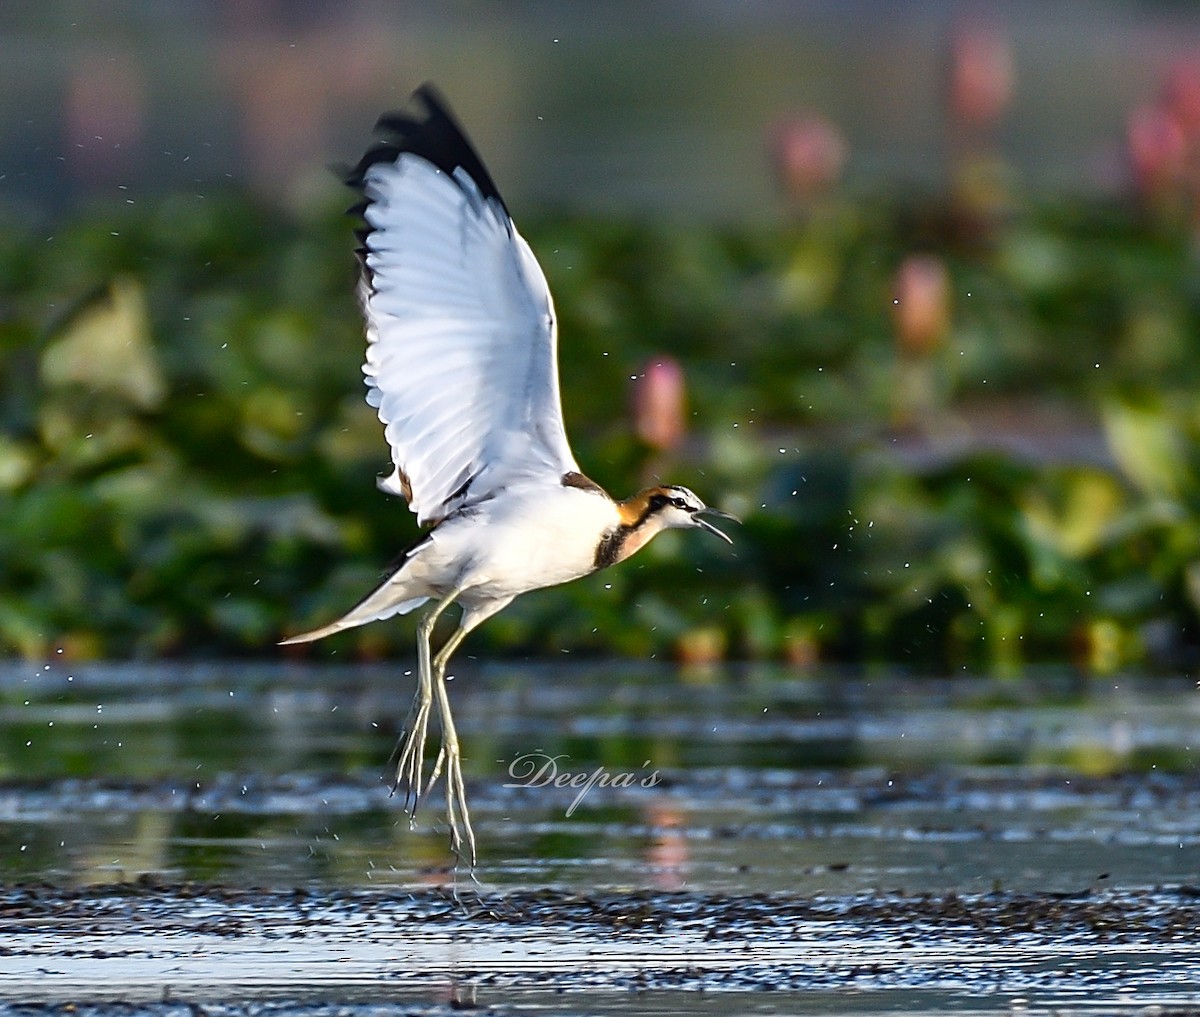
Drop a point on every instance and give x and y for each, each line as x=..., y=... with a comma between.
x=409, y=754
x=450, y=755
x=439, y=677
x=473, y=617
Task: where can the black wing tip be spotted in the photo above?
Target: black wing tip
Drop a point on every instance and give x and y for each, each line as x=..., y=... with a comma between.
x=436, y=137
x=432, y=97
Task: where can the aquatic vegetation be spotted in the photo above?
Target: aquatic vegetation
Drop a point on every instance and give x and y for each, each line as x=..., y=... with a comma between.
x=1002, y=471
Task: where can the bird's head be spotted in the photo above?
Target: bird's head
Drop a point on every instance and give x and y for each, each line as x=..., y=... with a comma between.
x=669, y=507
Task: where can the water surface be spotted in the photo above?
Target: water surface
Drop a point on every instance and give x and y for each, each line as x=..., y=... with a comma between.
x=917, y=843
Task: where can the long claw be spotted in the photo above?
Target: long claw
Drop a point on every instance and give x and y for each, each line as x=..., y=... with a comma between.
x=454, y=779
x=409, y=756
x=462, y=835
x=437, y=769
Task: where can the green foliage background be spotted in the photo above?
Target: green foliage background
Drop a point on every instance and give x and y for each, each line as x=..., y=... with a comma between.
x=186, y=462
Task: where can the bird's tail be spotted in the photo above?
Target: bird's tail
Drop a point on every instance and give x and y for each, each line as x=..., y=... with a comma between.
x=359, y=615
x=391, y=597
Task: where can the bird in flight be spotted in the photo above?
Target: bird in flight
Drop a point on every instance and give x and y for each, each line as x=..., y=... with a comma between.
x=461, y=366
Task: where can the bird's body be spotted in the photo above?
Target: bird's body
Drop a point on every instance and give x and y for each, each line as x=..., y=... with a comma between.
x=461, y=366
x=541, y=536
x=537, y=536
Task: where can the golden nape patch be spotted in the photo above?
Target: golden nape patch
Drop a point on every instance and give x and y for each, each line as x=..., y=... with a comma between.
x=634, y=510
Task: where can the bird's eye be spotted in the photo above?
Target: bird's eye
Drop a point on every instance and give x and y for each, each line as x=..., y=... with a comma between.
x=679, y=503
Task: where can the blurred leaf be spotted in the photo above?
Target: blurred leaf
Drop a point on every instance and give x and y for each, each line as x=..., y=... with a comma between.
x=17, y=463
x=1073, y=511
x=1148, y=446
x=105, y=347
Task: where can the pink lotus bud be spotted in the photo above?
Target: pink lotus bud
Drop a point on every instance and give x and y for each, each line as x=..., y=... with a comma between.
x=980, y=74
x=1181, y=95
x=809, y=154
x=1157, y=150
x=104, y=115
x=659, y=404
x=921, y=306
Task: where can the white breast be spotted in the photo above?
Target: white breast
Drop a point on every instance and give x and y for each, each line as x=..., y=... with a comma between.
x=526, y=539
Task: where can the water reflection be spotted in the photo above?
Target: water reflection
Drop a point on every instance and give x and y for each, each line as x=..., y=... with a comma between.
x=272, y=776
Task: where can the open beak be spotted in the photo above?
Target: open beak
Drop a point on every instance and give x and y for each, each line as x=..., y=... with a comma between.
x=704, y=524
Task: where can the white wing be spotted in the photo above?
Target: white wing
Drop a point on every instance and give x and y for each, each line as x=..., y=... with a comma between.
x=461, y=338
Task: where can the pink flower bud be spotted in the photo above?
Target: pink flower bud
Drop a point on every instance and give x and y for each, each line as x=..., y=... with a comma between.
x=809, y=154
x=104, y=115
x=980, y=74
x=659, y=404
x=921, y=306
x=1157, y=151
x=1181, y=95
